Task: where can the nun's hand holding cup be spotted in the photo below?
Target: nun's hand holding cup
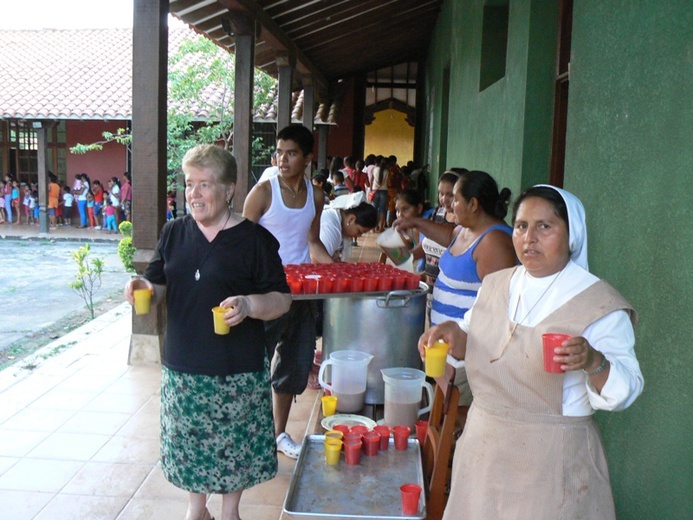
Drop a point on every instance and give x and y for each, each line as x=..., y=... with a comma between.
x=576, y=353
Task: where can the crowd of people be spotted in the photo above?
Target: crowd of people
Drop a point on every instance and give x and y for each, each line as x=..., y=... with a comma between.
x=529, y=448
x=86, y=204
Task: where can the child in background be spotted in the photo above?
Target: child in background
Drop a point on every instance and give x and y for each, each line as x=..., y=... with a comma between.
x=110, y=216
x=15, y=201
x=36, y=209
x=68, y=202
x=3, y=215
x=339, y=187
x=26, y=202
x=171, y=205
x=32, y=216
x=90, y=210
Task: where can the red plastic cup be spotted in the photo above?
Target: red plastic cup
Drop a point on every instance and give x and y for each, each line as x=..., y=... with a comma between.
x=550, y=342
x=359, y=428
x=295, y=284
x=341, y=428
x=410, y=498
x=352, y=452
x=384, y=432
x=310, y=285
x=341, y=284
x=353, y=436
x=421, y=428
x=399, y=282
x=325, y=285
x=412, y=282
x=385, y=283
x=357, y=284
x=371, y=284
x=401, y=434
x=371, y=443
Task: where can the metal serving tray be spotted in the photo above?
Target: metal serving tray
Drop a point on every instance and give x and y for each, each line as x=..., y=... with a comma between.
x=369, y=491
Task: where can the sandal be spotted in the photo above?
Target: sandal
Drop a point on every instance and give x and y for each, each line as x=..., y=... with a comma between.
x=288, y=446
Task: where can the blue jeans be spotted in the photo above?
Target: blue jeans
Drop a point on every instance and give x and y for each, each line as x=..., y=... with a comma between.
x=82, y=207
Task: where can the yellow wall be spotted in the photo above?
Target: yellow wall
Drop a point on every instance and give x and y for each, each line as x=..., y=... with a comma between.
x=390, y=134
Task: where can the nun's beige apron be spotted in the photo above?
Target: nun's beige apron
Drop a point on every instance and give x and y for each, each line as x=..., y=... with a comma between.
x=518, y=457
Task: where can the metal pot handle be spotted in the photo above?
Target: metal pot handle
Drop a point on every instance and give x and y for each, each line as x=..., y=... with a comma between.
x=401, y=298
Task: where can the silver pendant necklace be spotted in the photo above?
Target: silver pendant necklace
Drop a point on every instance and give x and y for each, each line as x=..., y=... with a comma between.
x=200, y=264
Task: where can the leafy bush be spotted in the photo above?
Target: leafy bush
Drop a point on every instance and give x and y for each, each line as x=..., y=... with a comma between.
x=126, y=250
x=125, y=228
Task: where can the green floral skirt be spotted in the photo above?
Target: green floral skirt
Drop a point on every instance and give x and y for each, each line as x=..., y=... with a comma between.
x=217, y=433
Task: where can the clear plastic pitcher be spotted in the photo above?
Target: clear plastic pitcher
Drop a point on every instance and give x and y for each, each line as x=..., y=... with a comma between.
x=403, y=396
x=392, y=244
x=349, y=375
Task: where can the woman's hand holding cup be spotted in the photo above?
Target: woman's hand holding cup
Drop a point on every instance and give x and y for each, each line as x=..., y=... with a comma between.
x=576, y=353
x=239, y=308
x=134, y=284
x=448, y=332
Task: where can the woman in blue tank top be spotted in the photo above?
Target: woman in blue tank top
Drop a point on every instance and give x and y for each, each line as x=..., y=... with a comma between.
x=481, y=244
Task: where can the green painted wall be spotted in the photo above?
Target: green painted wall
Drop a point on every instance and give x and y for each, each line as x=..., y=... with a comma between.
x=629, y=159
x=504, y=129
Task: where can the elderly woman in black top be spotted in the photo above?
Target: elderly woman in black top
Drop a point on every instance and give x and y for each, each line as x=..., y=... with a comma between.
x=217, y=433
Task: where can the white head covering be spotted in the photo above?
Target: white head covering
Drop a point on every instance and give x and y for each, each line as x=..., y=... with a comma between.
x=577, y=226
x=348, y=201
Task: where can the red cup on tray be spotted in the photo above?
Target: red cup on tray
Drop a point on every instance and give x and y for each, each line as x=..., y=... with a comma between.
x=342, y=284
x=371, y=443
x=325, y=285
x=384, y=432
x=359, y=428
x=310, y=285
x=295, y=284
x=385, y=283
x=411, y=494
x=352, y=451
x=401, y=434
x=412, y=282
x=357, y=284
x=371, y=283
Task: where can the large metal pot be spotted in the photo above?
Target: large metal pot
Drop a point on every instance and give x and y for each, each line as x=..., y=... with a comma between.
x=388, y=327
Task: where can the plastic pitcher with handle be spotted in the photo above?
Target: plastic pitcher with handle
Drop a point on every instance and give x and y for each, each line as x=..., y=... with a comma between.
x=403, y=396
x=348, y=381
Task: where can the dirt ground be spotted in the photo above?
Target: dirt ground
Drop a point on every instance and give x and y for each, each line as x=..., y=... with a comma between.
x=37, y=304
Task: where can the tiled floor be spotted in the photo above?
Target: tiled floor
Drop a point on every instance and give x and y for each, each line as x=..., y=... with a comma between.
x=79, y=432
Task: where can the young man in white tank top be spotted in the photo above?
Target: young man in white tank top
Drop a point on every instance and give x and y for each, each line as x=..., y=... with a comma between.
x=290, y=209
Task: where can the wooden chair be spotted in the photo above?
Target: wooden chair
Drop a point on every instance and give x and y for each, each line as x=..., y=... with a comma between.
x=438, y=444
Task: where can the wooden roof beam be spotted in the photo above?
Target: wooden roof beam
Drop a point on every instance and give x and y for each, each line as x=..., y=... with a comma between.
x=273, y=35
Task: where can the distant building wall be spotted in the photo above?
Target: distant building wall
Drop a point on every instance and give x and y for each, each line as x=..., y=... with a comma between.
x=390, y=134
x=103, y=164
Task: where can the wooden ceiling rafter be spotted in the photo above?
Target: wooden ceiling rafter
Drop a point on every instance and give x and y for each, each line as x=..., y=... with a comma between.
x=330, y=39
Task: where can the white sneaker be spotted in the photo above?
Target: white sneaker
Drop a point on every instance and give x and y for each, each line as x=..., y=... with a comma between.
x=288, y=446
x=97, y=227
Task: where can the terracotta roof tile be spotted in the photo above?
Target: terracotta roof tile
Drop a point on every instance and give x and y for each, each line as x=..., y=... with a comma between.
x=87, y=74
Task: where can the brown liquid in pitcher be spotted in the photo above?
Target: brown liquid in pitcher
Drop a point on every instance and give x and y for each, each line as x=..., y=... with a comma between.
x=401, y=414
x=350, y=403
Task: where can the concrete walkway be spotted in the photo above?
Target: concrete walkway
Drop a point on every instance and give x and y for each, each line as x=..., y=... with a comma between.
x=79, y=433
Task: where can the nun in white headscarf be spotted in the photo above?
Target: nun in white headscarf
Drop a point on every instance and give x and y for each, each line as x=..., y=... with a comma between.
x=530, y=448
x=346, y=218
